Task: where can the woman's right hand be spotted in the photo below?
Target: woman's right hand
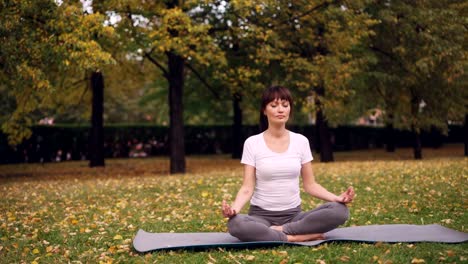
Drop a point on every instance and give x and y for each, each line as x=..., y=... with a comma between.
x=227, y=210
x=347, y=196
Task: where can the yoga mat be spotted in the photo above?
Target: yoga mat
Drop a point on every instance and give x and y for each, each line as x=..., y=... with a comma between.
x=145, y=241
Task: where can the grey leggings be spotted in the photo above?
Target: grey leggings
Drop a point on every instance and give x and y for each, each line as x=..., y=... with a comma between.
x=256, y=225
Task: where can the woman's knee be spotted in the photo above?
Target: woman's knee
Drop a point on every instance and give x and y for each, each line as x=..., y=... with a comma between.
x=339, y=212
x=235, y=226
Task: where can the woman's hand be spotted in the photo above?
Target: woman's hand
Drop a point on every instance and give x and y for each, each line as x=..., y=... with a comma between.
x=347, y=196
x=227, y=210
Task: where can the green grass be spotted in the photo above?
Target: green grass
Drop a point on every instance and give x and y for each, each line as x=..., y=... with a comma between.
x=67, y=212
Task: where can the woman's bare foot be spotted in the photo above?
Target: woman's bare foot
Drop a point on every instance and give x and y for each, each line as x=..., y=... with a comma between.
x=300, y=238
x=306, y=237
x=278, y=228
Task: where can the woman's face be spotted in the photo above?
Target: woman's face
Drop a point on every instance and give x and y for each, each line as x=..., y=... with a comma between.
x=277, y=111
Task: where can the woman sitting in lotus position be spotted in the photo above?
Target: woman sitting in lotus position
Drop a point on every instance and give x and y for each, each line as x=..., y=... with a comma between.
x=273, y=161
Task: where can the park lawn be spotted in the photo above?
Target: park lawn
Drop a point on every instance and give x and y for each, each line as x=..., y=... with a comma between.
x=67, y=212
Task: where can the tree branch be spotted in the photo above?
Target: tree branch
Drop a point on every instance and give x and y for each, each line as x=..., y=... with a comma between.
x=35, y=20
x=379, y=91
x=217, y=29
x=85, y=90
x=79, y=81
x=141, y=13
x=256, y=22
x=315, y=8
x=389, y=55
x=147, y=54
x=213, y=91
x=155, y=62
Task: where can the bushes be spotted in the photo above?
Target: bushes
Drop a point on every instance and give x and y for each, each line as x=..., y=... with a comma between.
x=70, y=142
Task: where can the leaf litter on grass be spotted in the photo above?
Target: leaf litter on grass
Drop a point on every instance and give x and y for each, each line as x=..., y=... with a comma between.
x=68, y=212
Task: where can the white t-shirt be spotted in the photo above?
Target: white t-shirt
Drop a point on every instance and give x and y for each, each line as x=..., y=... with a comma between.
x=277, y=174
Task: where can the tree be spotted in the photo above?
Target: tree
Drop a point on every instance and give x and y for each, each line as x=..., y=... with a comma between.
x=421, y=55
x=309, y=46
x=171, y=35
x=45, y=43
x=241, y=76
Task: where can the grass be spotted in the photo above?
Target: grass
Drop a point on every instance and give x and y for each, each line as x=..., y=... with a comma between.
x=67, y=212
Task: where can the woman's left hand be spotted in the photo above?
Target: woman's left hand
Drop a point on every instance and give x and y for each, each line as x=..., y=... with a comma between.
x=347, y=196
x=227, y=210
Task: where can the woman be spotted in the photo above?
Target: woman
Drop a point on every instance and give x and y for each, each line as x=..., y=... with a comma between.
x=273, y=161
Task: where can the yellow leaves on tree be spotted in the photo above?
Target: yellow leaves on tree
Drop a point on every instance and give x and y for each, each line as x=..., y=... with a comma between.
x=175, y=31
x=57, y=40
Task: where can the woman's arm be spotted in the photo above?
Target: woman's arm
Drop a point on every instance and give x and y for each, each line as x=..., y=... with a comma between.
x=317, y=190
x=243, y=195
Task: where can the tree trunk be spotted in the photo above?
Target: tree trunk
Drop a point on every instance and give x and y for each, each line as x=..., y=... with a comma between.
x=417, y=149
x=96, y=135
x=323, y=132
x=466, y=135
x=390, y=137
x=176, y=110
x=237, y=127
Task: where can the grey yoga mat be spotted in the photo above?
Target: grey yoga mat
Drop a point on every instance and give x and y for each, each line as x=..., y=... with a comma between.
x=145, y=241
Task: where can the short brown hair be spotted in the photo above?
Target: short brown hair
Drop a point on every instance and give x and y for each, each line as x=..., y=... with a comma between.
x=270, y=94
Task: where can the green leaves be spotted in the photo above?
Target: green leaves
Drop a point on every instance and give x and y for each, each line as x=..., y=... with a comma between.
x=415, y=46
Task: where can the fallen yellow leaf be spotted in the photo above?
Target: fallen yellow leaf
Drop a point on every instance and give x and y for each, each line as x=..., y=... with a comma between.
x=345, y=258
x=112, y=249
